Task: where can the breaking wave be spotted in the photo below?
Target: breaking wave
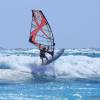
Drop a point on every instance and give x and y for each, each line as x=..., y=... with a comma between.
x=24, y=65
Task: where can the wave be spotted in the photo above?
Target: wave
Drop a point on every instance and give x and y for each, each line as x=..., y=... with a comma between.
x=21, y=65
x=78, y=66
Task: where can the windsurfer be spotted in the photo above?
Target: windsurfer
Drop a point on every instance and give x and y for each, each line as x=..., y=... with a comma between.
x=42, y=55
x=41, y=33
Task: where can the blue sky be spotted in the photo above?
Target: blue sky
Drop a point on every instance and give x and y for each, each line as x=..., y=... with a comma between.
x=75, y=23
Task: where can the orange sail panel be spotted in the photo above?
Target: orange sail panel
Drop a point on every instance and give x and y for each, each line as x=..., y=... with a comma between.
x=41, y=34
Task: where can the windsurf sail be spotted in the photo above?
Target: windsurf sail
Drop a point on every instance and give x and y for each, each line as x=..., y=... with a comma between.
x=41, y=34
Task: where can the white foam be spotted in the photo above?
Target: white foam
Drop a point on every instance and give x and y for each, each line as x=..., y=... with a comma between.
x=77, y=66
x=82, y=51
x=19, y=62
x=14, y=76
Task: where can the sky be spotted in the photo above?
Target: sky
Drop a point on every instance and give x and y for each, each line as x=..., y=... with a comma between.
x=75, y=23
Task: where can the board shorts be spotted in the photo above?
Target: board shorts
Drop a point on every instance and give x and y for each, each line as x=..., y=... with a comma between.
x=42, y=56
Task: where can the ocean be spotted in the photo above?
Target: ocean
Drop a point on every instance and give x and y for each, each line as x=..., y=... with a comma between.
x=74, y=76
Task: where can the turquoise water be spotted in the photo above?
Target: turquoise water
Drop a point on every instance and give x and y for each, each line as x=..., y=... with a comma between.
x=51, y=91
x=75, y=76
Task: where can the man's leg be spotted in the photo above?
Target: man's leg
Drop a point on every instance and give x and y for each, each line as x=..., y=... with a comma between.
x=42, y=60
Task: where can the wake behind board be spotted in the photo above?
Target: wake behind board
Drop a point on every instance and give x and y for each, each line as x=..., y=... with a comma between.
x=56, y=56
